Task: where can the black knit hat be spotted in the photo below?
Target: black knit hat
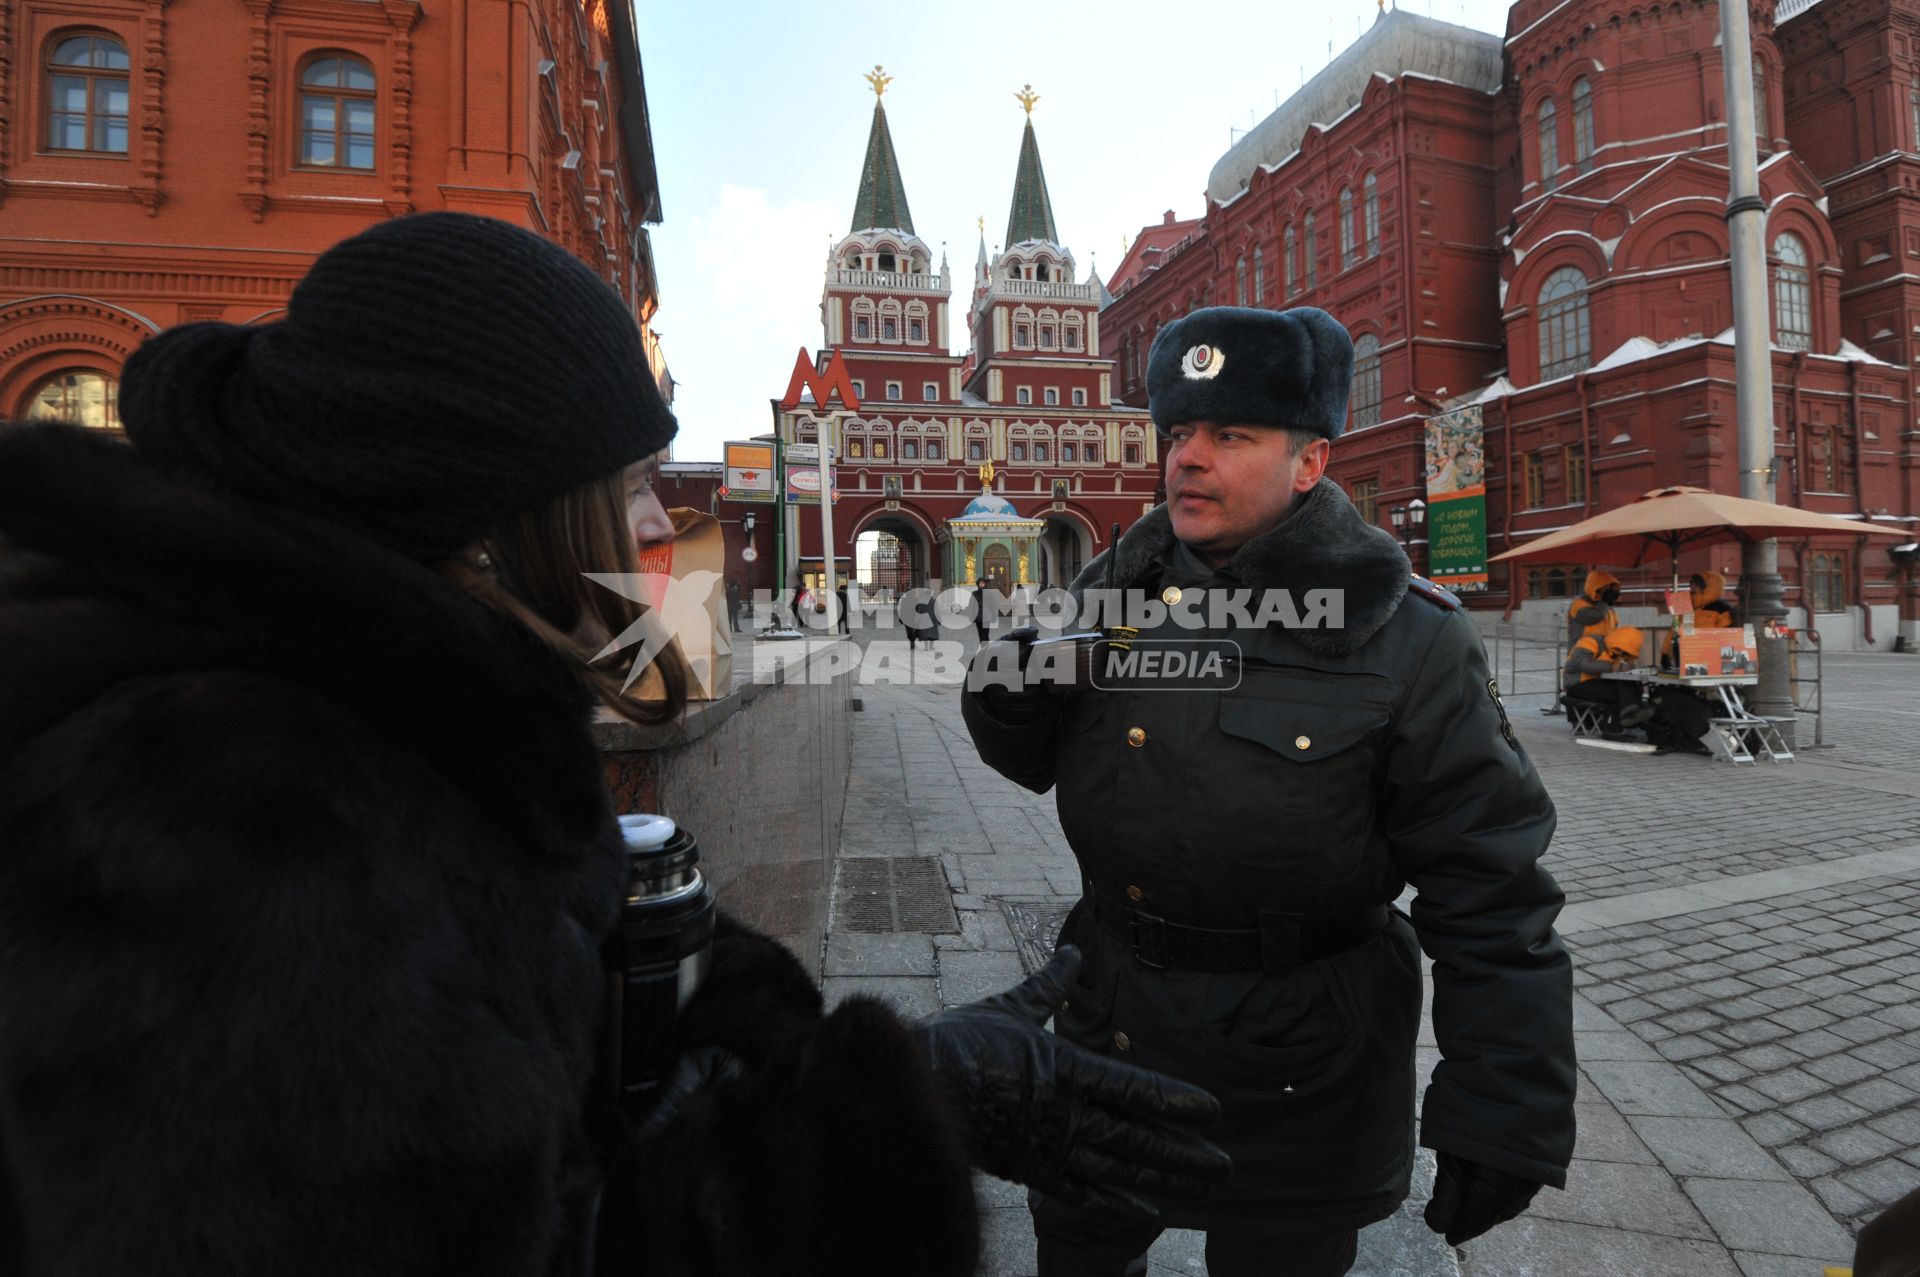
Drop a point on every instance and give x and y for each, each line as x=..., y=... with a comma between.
x=434, y=376
x=1290, y=368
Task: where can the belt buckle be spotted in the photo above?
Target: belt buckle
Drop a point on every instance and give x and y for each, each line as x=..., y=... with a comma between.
x=1150, y=952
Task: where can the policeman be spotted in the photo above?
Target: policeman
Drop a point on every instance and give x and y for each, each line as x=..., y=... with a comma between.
x=1241, y=842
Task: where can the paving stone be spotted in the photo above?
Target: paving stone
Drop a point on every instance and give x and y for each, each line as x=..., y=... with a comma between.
x=1532, y=1246
x=1788, y=1085
x=1612, y=1045
x=1806, y=1161
x=1715, y=1147
x=1756, y=1031
x=1722, y=1068
x=1649, y=1088
x=1687, y=1047
x=1772, y=1128
x=1887, y=1054
x=1766, y=1058
x=1817, y=1043
x=1804, y=1018
x=857, y=953
x=1605, y=1136
x=968, y=976
x=1885, y=1181
x=1862, y=1029
x=1623, y=1195
x=1854, y=1145
x=1903, y=1127
x=1825, y=1112
x=1745, y=1098
x=1878, y=1095
x=1905, y=1016
x=912, y=996
x=1838, y=1198
x=1776, y=1218
x=1839, y=1070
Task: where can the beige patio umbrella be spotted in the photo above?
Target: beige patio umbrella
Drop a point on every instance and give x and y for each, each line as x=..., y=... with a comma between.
x=1672, y=518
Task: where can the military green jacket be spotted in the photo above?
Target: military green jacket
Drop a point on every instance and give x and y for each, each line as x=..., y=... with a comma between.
x=1347, y=762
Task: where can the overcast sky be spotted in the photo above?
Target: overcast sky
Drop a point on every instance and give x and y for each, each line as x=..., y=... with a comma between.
x=760, y=119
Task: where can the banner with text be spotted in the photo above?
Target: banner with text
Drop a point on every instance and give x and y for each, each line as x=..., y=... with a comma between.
x=1457, y=499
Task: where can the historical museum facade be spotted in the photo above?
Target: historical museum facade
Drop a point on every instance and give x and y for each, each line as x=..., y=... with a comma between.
x=161, y=164
x=1532, y=229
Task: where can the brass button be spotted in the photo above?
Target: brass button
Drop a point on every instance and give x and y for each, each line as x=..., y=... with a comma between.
x=1170, y=595
x=1122, y=1042
x=1135, y=894
x=1301, y=742
x=1136, y=736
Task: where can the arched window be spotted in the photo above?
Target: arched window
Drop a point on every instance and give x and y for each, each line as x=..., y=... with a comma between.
x=1093, y=454
x=1019, y=452
x=1566, y=345
x=933, y=450
x=1240, y=282
x=1366, y=381
x=1070, y=332
x=1066, y=453
x=87, y=94
x=1371, y=192
x=336, y=113
x=1039, y=452
x=1312, y=271
x=1549, y=145
x=1348, y=254
x=975, y=452
x=1792, y=294
x=1286, y=259
x=1582, y=126
x=1259, y=276
x=77, y=396
x=909, y=450
x=1762, y=121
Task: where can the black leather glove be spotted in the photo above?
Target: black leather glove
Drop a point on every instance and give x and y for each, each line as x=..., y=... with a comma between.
x=1469, y=1198
x=1077, y=1126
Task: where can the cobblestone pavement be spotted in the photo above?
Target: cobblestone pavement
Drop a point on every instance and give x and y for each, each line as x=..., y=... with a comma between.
x=1747, y=967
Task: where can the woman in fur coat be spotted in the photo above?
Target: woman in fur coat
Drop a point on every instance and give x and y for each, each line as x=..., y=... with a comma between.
x=306, y=862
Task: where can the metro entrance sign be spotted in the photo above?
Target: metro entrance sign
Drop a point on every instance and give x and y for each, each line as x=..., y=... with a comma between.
x=823, y=384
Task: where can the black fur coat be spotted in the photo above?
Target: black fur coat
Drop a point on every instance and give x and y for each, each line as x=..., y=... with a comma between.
x=305, y=865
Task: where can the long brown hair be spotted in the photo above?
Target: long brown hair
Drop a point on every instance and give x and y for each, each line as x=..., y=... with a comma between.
x=531, y=569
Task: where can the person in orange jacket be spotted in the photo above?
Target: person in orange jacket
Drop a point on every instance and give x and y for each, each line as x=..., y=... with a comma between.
x=1592, y=613
x=1710, y=612
x=1595, y=655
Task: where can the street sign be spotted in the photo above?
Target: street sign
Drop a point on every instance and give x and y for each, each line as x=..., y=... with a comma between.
x=749, y=474
x=808, y=454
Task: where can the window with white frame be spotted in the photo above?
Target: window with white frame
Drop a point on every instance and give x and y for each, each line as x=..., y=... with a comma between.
x=1286, y=259
x=1366, y=381
x=1080, y=397
x=1312, y=271
x=893, y=390
x=1051, y=396
x=1371, y=193
x=1582, y=126
x=1040, y=453
x=930, y=391
x=1240, y=286
x=1066, y=454
x=1023, y=395
x=1566, y=344
x=1348, y=252
x=1259, y=276
x=1549, y=145
x=1792, y=293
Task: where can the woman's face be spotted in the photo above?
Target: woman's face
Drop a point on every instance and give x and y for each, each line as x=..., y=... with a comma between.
x=646, y=517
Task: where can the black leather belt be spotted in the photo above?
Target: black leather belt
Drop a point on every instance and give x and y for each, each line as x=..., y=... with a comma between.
x=1282, y=941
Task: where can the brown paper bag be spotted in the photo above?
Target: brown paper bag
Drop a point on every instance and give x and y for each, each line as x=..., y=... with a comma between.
x=686, y=585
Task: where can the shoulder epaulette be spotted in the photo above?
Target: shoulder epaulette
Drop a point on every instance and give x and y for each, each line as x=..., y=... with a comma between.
x=1438, y=595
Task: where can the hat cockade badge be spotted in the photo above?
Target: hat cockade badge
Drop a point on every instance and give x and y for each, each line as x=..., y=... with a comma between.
x=1203, y=363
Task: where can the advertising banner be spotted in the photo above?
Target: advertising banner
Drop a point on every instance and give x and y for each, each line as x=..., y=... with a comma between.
x=1457, y=499
x=749, y=474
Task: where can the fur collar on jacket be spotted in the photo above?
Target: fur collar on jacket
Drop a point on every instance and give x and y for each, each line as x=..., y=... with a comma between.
x=1323, y=543
x=111, y=571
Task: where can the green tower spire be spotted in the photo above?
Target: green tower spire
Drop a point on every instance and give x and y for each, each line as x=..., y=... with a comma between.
x=883, y=196
x=1032, y=214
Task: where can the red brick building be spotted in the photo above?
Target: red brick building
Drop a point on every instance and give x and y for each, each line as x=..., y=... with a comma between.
x=167, y=163
x=1033, y=397
x=1536, y=225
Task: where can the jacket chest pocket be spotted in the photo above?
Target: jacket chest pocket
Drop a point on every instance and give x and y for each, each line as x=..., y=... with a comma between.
x=1294, y=784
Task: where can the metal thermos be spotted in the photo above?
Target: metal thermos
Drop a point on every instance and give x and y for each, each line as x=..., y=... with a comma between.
x=666, y=936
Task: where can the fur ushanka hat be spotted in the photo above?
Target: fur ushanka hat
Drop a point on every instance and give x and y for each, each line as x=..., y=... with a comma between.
x=1287, y=368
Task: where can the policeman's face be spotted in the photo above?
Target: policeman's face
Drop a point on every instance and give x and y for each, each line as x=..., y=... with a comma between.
x=1227, y=484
